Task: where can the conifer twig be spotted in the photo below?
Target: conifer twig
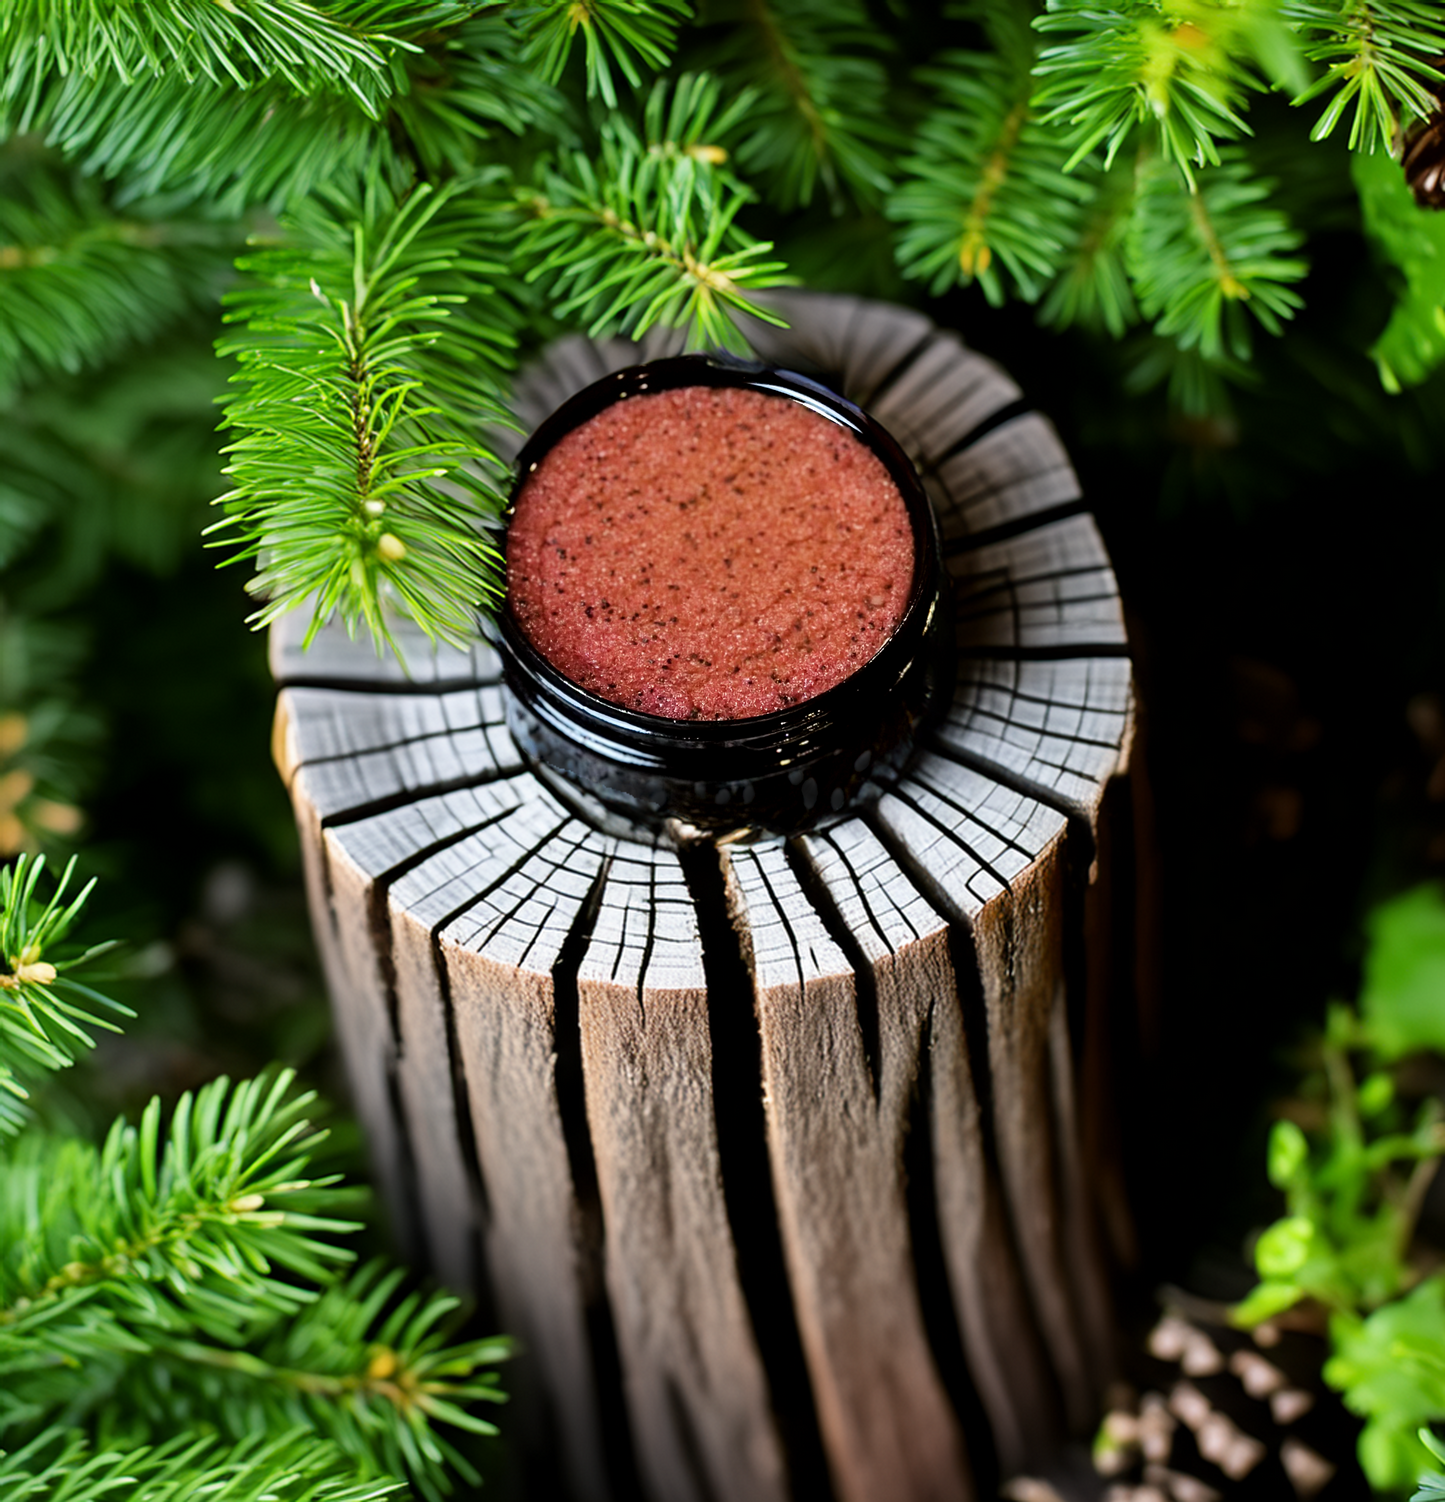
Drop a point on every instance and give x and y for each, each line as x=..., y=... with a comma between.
x=820, y=114
x=646, y=233
x=1200, y=259
x=986, y=194
x=371, y=345
x=617, y=34
x=1382, y=58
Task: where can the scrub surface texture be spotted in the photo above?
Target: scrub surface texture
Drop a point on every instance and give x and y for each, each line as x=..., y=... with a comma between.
x=709, y=553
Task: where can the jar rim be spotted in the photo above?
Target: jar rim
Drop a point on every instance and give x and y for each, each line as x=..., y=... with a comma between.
x=777, y=728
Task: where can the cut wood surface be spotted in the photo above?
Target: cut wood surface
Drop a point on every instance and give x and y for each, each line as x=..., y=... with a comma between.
x=768, y=1151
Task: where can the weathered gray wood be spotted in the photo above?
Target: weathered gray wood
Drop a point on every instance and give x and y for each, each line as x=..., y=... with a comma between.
x=836, y=1152
x=335, y=657
x=991, y=857
x=476, y=928
x=905, y=941
x=361, y=865
x=363, y=1022
x=698, y=1398
x=523, y=1002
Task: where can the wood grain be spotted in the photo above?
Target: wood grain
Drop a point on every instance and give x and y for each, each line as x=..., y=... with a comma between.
x=835, y=1149
x=696, y=1389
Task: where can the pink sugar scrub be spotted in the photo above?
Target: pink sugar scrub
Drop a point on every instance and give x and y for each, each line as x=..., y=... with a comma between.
x=709, y=553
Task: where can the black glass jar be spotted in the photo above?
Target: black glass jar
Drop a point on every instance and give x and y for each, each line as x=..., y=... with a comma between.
x=777, y=772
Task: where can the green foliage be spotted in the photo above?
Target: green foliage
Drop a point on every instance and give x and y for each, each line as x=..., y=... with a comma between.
x=646, y=232
x=177, y=1231
x=820, y=112
x=1354, y=1193
x=1180, y=68
x=371, y=1371
x=1380, y=56
x=45, y=735
x=45, y=1013
x=1432, y=1483
x=1353, y=1198
x=1093, y=288
x=273, y=138
x=59, y=1467
x=372, y=346
x=986, y=195
x=1199, y=260
x=182, y=1280
x=80, y=281
x=313, y=51
x=1404, y=978
x=618, y=34
x=1391, y=1368
x=111, y=463
x=1412, y=240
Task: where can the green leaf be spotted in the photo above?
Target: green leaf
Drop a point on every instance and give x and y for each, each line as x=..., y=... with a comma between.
x=1289, y=1153
x=1284, y=1248
x=1412, y=239
x=1390, y=1369
x=1404, y=975
x=1431, y=1487
x=1264, y=1302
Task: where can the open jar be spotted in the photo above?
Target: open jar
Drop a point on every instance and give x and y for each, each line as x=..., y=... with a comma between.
x=725, y=600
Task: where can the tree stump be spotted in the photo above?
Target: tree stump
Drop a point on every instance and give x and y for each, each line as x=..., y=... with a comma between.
x=783, y=1158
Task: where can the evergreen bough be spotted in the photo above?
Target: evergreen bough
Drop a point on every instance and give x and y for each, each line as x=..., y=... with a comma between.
x=450, y=182
x=178, y=1317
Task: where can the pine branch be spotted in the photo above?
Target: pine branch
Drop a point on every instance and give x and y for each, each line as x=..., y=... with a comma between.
x=313, y=49
x=1413, y=240
x=231, y=147
x=1197, y=388
x=1382, y=57
x=1183, y=67
x=372, y=1373
x=1093, y=287
x=986, y=195
x=44, y=1013
x=371, y=351
x=58, y=1466
x=1200, y=259
x=114, y=463
x=645, y=234
x=80, y=282
x=178, y=1236
x=821, y=112
x=618, y=34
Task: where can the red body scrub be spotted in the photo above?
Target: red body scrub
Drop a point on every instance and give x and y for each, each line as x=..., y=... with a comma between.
x=709, y=553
